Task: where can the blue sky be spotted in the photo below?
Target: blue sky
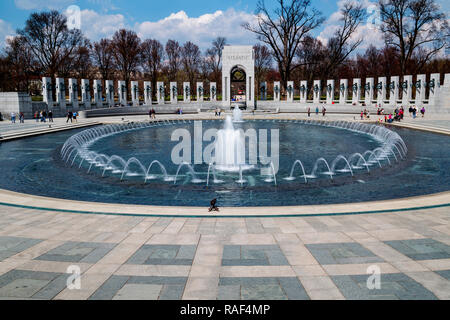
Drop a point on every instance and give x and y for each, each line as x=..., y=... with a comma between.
x=199, y=21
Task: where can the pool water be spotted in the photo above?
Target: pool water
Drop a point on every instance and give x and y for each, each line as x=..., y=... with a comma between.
x=35, y=166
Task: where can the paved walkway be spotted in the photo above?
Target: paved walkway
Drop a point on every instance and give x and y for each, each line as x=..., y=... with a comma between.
x=253, y=258
x=128, y=257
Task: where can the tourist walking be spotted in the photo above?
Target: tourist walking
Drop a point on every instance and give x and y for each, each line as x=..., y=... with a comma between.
x=50, y=116
x=309, y=112
x=422, y=111
x=22, y=117
x=74, y=116
x=69, y=117
x=150, y=113
x=13, y=117
x=324, y=111
x=317, y=111
x=1, y=117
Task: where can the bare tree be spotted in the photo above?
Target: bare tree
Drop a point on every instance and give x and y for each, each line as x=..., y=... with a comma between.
x=311, y=55
x=368, y=64
x=102, y=56
x=49, y=39
x=283, y=30
x=21, y=62
x=126, y=49
x=152, y=53
x=340, y=46
x=82, y=62
x=413, y=25
x=173, y=51
x=191, y=59
x=263, y=62
x=214, y=58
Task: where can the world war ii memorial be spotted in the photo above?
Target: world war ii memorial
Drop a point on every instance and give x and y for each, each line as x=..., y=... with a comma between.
x=292, y=168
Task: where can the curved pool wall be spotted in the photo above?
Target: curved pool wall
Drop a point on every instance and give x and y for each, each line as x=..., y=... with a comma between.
x=34, y=166
x=80, y=147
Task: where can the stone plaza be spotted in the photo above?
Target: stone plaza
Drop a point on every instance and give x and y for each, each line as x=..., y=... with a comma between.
x=140, y=252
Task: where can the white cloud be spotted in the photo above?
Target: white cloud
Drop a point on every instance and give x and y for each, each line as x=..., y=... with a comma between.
x=200, y=30
x=6, y=32
x=40, y=4
x=96, y=26
x=367, y=31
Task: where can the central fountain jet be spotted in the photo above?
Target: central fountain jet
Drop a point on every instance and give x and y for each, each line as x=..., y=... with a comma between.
x=230, y=148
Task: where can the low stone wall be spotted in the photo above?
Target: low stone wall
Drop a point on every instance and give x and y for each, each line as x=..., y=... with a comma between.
x=15, y=102
x=187, y=108
x=297, y=107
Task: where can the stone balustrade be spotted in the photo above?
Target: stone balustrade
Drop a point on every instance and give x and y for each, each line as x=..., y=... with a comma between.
x=382, y=91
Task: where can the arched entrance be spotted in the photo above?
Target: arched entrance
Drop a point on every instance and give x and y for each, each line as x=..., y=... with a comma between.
x=238, y=78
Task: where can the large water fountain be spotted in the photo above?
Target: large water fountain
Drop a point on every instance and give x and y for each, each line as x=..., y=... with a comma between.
x=320, y=162
x=230, y=151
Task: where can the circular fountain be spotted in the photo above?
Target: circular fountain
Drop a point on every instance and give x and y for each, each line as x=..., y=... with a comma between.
x=243, y=163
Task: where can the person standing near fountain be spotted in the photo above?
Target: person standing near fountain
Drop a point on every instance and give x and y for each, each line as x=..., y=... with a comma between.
x=422, y=111
x=309, y=112
x=69, y=116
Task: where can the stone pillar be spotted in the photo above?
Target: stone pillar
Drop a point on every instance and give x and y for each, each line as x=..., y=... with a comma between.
x=276, y=91
x=368, y=91
x=263, y=91
x=290, y=91
x=61, y=93
x=213, y=91
x=446, y=83
x=200, y=91
x=250, y=88
x=73, y=93
x=381, y=91
x=135, y=93
x=160, y=92
x=122, y=92
x=316, y=91
x=226, y=90
x=343, y=91
x=434, y=86
x=406, y=90
x=173, y=93
x=420, y=86
x=303, y=91
x=356, y=91
x=109, y=85
x=98, y=93
x=86, y=93
x=186, y=92
x=330, y=91
x=393, y=91
x=47, y=91
x=148, y=93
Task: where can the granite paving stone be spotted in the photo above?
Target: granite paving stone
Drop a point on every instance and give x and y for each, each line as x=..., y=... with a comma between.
x=421, y=249
x=342, y=253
